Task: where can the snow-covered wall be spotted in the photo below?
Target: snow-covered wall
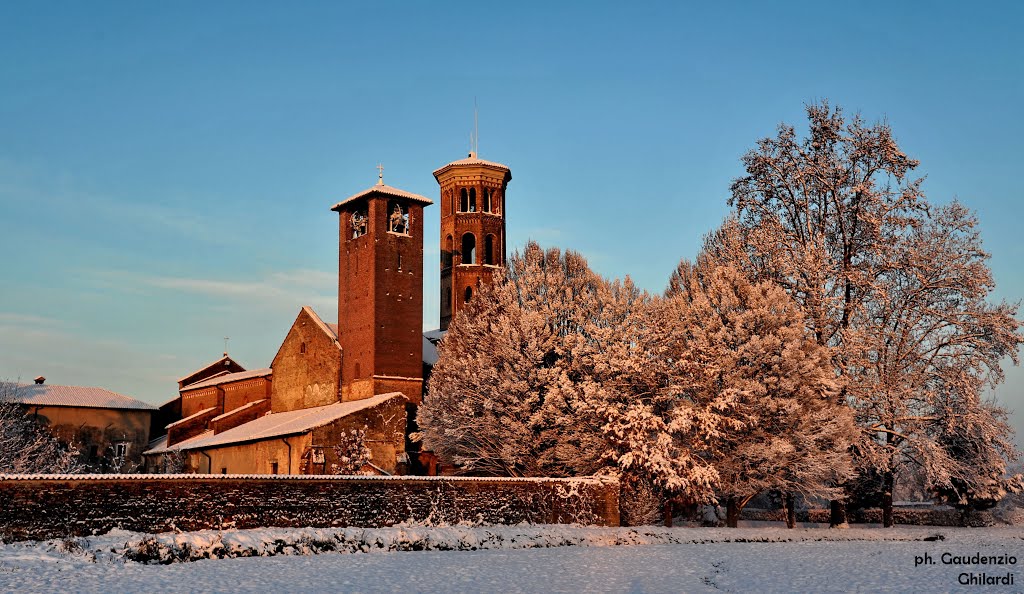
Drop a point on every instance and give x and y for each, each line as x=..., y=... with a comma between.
x=53, y=506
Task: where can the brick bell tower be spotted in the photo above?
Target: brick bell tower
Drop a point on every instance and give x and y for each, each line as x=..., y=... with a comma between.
x=472, y=228
x=380, y=292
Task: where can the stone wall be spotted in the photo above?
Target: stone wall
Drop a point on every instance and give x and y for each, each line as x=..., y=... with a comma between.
x=43, y=507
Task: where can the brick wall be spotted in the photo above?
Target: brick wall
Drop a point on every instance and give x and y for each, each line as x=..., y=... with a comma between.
x=38, y=507
x=307, y=367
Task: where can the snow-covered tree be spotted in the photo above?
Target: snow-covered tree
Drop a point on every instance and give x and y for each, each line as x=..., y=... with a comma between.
x=759, y=369
x=928, y=346
x=505, y=396
x=352, y=452
x=27, y=446
x=836, y=220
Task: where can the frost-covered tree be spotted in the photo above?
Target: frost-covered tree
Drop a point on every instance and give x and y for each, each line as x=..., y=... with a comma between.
x=505, y=396
x=352, y=452
x=751, y=361
x=836, y=220
x=928, y=345
x=27, y=446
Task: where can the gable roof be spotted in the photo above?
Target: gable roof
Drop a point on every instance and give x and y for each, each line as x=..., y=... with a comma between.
x=78, y=396
x=224, y=361
x=280, y=424
x=228, y=378
x=387, y=190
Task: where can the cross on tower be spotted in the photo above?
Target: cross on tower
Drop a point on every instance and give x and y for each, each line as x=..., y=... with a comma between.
x=380, y=174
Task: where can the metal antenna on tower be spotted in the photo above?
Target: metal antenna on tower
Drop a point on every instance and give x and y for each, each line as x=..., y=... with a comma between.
x=476, y=130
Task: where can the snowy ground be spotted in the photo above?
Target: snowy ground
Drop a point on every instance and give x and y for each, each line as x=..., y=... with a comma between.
x=520, y=559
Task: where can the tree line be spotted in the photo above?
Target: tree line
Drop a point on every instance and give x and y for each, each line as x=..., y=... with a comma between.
x=835, y=334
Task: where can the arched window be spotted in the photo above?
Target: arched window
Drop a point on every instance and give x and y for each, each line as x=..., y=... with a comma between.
x=489, y=249
x=487, y=200
x=446, y=253
x=468, y=249
x=398, y=218
x=472, y=200
x=359, y=223
x=469, y=294
x=464, y=201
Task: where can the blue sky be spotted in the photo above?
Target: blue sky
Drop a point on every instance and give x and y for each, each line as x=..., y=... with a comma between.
x=166, y=169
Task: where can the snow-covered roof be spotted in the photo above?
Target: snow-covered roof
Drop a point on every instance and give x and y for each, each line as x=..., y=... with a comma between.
x=85, y=397
x=386, y=190
x=281, y=424
x=205, y=411
x=237, y=410
x=474, y=160
x=429, y=351
x=435, y=336
x=228, y=378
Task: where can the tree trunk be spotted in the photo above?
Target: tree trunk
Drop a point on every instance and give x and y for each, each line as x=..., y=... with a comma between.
x=667, y=513
x=732, y=512
x=838, y=514
x=888, y=485
x=789, y=504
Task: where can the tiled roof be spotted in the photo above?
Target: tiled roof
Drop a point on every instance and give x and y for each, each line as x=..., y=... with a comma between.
x=280, y=424
x=228, y=378
x=474, y=160
x=387, y=190
x=51, y=395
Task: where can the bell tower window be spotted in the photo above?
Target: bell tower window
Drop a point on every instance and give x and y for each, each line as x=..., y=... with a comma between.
x=487, y=200
x=359, y=223
x=472, y=200
x=468, y=249
x=464, y=200
x=398, y=219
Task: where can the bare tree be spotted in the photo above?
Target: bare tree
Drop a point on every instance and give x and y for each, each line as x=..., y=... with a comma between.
x=27, y=446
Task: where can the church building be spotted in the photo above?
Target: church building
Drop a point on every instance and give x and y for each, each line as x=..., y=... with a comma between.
x=332, y=389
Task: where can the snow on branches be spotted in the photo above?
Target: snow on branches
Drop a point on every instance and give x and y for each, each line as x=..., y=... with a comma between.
x=28, y=447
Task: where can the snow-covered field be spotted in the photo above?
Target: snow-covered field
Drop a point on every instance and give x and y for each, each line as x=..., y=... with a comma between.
x=520, y=559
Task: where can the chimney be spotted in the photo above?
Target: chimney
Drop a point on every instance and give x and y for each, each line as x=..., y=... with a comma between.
x=40, y=379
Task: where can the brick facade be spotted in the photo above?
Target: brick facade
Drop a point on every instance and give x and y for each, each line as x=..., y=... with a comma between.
x=307, y=367
x=472, y=229
x=380, y=295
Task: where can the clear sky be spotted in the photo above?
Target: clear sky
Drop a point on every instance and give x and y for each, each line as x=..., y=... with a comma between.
x=167, y=169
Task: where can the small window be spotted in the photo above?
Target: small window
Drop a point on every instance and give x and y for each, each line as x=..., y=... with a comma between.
x=468, y=248
x=469, y=294
x=224, y=470
x=399, y=261
x=489, y=250
x=359, y=223
x=120, y=450
x=273, y=468
x=472, y=200
x=446, y=253
x=302, y=348
x=464, y=200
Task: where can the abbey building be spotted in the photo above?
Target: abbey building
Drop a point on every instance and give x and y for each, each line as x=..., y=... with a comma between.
x=342, y=397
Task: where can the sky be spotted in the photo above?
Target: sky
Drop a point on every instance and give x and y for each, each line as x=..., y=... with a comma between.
x=167, y=169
